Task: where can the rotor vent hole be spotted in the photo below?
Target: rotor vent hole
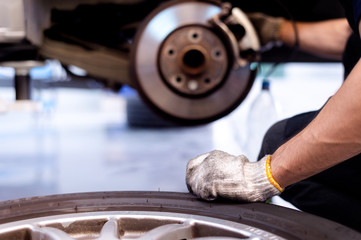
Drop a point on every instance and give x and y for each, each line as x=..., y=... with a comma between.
x=194, y=58
x=171, y=52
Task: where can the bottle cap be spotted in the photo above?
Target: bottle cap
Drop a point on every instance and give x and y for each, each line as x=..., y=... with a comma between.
x=265, y=84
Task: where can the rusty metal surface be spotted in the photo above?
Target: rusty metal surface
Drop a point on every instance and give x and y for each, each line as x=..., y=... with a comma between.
x=193, y=60
x=189, y=89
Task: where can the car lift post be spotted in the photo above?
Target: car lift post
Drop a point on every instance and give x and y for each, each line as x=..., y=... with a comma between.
x=22, y=78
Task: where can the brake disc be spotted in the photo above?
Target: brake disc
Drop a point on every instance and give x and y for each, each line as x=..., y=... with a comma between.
x=186, y=63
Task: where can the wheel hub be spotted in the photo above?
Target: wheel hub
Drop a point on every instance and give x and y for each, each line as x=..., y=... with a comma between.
x=193, y=60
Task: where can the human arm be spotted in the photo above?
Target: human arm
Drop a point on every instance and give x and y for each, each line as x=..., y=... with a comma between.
x=324, y=38
x=331, y=138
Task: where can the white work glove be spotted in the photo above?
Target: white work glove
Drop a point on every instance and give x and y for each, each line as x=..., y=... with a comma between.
x=268, y=28
x=219, y=174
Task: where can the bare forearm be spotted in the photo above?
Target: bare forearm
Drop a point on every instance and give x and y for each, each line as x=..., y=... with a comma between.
x=325, y=38
x=332, y=137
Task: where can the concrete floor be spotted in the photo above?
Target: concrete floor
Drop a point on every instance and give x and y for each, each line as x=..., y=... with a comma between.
x=81, y=141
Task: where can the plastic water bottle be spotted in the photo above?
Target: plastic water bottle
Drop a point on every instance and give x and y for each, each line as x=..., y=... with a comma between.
x=262, y=114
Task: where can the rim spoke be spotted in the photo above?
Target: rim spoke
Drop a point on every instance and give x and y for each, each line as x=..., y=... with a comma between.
x=109, y=231
x=48, y=233
x=169, y=231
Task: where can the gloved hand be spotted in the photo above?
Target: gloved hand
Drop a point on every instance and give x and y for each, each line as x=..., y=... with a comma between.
x=219, y=174
x=267, y=27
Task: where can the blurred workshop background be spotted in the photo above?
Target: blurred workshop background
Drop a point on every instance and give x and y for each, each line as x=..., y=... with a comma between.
x=79, y=139
x=86, y=129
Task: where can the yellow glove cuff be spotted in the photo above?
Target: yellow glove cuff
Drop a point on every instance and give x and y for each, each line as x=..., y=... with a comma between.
x=269, y=175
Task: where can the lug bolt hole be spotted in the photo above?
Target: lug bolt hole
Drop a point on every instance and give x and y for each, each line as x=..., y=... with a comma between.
x=178, y=79
x=207, y=80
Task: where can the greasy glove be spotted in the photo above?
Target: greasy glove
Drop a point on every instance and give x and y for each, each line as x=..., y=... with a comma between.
x=219, y=174
x=267, y=28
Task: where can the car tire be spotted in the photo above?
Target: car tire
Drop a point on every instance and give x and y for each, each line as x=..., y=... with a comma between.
x=259, y=218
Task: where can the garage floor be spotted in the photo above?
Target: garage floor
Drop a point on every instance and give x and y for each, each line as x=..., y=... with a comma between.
x=81, y=141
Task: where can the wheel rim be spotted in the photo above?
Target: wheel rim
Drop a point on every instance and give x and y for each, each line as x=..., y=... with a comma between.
x=137, y=214
x=131, y=225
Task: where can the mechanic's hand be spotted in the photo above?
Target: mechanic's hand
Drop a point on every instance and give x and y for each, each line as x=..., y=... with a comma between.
x=219, y=174
x=267, y=27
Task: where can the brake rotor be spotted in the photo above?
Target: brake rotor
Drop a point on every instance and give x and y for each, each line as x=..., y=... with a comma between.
x=183, y=66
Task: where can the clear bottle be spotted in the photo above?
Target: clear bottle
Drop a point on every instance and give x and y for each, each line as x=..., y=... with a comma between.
x=262, y=114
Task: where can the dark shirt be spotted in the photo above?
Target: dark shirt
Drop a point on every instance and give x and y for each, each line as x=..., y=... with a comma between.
x=352, y=51
x=352, y=12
